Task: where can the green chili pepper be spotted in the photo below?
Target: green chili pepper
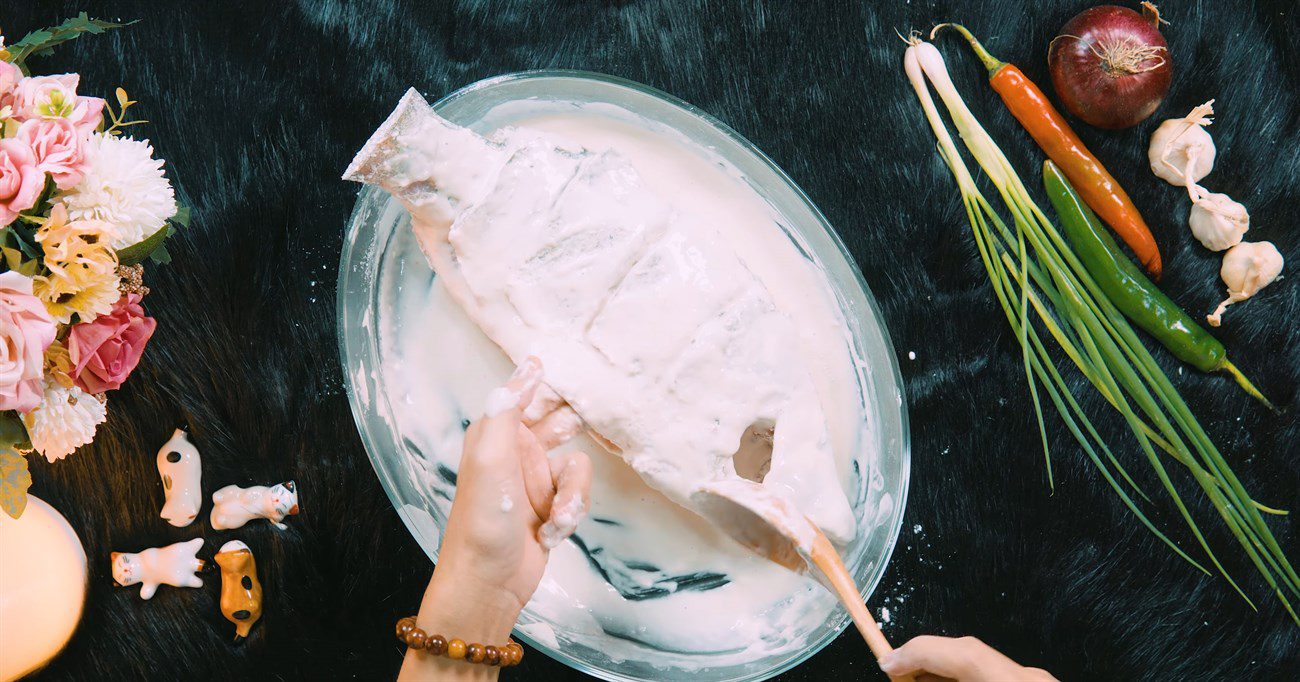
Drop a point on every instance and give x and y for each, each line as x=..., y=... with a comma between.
x=1130, y=290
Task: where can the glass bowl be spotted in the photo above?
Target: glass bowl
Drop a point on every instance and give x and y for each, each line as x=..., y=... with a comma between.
x=379, y=243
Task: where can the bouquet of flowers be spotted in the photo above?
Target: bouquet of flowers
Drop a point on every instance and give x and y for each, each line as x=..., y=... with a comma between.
x=82, y=206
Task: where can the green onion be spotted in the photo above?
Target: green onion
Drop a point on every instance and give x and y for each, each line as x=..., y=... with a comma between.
x=1045, y=291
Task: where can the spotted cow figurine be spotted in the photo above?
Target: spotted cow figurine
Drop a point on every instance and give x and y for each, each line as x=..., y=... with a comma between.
x=241, y=592
x=233, y=506
x=181, y=472
x=171, y=565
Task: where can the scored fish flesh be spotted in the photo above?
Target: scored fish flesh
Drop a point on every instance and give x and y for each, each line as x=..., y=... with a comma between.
x=648, y=325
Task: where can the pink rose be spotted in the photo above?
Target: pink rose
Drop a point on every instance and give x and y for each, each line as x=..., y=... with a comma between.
x=104, y=352
x=9, y=77
x=46, y=96
x=87, y=115
x=21, y=181
x=26, y=330
x=56, y=97
x=58, y=147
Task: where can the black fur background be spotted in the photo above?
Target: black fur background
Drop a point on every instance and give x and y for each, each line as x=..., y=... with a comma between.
x=257, y=106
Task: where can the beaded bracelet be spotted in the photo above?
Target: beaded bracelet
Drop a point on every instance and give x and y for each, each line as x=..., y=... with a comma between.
x=412, y=636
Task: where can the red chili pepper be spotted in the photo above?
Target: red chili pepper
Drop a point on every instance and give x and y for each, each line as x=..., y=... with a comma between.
x=1091, y=180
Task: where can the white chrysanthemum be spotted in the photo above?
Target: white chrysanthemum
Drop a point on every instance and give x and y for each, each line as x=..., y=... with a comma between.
x=65, y=421
x=125, y=187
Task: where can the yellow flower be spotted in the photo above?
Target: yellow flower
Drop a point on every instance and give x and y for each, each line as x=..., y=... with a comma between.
x=78, y=243
x=83, y=291
x=83, y=277
x=58, y=364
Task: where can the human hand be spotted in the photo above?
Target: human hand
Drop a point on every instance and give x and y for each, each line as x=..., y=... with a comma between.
x=513, y=504
x=965, y=659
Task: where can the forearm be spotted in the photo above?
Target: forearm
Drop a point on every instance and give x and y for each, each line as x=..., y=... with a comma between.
x=457, y=606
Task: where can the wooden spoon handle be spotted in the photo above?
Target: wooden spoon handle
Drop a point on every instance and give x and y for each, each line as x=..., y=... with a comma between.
x=828, y=561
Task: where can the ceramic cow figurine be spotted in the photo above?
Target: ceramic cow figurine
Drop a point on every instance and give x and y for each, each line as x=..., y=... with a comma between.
x=181, y=472
x=171, y=565
x=233, y=506
x=241, y=592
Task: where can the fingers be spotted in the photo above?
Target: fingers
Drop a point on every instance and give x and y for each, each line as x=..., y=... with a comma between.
x=544, y=402
x=936, y=655
x=556, y=428
x=518, y=391
x=967, y=659
x=572, y=474
x=492, y=438
x=558, y=490
x=536, y=467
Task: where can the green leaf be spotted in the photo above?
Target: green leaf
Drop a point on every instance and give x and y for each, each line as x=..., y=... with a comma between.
x=12, y=430
x=25, y=237
x=139, y=251
x=161, y=255
x=41, y=41
x=35, y=38
x=13, y=259
x=42, y=203
x=182, y=216
x=15, y=479
x=154, y=249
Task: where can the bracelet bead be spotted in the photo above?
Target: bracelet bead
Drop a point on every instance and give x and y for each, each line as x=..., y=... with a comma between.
x=405, y=626
x=456, y=649
x=437, y=645
x=417, y=639
x=491, y=655
x=474, y=652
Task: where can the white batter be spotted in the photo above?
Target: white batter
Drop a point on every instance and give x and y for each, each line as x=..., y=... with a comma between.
x=641, y=567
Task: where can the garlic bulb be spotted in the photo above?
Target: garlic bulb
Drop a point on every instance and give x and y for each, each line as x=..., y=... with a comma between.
x=1247, y=268
x=1181, y=151
x=1218, y=221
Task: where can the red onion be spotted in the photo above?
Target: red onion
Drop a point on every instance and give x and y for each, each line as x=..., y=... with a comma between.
x=1111, y=66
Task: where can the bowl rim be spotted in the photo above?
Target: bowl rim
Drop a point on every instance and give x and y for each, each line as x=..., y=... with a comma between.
x=345, y=332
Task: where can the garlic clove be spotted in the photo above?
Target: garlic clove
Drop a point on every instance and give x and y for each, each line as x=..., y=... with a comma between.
x=1218, y=222
x=1247, y=268
x=1182, y=151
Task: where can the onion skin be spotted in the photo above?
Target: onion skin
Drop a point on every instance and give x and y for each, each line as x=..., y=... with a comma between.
x=1110, y=66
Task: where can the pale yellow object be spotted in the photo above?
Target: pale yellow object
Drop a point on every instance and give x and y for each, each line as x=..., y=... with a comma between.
x=42, y=587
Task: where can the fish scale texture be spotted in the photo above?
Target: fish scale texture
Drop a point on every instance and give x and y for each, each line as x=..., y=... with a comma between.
x=258, y=106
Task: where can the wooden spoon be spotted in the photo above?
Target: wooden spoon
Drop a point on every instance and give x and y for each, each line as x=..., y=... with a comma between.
x=768, y=525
